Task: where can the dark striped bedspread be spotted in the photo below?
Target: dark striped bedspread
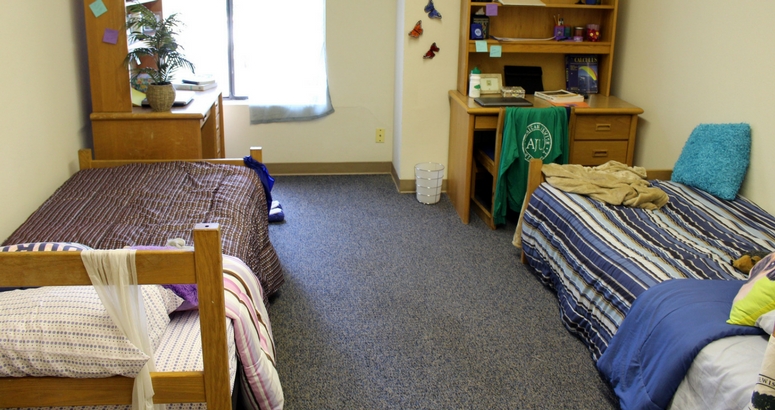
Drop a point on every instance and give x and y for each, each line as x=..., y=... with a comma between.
x=599, y=257
x=146, y=204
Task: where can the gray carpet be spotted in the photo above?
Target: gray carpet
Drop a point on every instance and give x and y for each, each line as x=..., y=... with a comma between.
x=393, y=304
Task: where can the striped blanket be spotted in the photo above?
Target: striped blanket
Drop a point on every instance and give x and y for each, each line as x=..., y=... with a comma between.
x=252, y=334
x=599, y=257
x=147, y=204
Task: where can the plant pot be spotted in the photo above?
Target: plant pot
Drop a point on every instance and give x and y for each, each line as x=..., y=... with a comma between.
x=160, y=96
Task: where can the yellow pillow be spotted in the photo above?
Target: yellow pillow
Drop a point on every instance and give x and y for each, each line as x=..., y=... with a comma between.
x=759, y=300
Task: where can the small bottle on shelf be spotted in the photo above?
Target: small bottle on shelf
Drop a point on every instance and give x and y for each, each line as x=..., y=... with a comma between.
x=475, y=83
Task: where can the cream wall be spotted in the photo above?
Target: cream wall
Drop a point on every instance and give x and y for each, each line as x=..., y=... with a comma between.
x=44, y=83
x=377, y=79
x=423, y=117
x=699, y=61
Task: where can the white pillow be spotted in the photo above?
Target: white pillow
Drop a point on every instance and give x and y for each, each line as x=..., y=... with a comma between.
x=766, y=321
x=66, y=332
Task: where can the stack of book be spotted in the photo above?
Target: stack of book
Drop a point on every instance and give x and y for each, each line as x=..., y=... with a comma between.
x=198, y=83
x=561, y=97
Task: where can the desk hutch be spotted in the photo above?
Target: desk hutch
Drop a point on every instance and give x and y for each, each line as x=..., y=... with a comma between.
x=121, y=131
x=601, y=132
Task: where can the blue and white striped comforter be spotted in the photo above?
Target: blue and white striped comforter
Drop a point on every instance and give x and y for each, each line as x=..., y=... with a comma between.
x=600, y=257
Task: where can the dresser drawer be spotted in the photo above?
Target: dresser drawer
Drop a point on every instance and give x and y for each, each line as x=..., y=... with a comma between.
x=486, y=122
x=598, y=152
x=602, y=127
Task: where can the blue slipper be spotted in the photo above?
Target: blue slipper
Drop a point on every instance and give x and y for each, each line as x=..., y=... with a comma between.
x=276, y=214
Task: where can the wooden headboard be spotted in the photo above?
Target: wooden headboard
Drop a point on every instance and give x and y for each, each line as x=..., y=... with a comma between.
x=203, y=266
x=86, y=161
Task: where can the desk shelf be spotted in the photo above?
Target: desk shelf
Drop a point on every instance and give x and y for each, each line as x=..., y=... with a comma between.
x=537, y=22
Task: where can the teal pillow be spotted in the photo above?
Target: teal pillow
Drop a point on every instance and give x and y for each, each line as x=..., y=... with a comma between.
x=715, y=159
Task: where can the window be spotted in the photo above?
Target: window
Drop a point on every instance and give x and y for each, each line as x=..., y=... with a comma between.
x=271, y=52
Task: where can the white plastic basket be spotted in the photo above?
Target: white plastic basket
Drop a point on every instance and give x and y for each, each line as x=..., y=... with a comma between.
x=428, y=176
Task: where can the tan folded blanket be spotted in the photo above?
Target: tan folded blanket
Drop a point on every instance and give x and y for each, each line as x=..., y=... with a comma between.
x=613, y=183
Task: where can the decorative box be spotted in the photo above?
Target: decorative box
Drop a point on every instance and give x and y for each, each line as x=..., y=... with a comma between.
x=513, y=92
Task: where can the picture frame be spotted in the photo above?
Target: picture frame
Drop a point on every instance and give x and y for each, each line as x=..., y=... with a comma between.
x=491, y=83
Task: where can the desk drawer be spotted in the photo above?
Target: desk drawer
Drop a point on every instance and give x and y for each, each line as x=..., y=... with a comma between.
x=598, y=152
x=602, y=127
x=485, y=122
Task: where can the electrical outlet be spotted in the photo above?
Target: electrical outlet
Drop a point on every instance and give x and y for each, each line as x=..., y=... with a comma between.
x=380, y=135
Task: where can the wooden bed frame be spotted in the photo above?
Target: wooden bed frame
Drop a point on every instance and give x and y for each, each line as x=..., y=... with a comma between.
x=203, y=266
x=85, y=160
x=535, y=177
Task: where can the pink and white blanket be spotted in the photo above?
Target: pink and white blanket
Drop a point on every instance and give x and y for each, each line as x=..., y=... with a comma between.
x=252, y=333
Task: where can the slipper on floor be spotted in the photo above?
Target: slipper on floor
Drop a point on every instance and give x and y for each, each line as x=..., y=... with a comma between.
x=276, y=214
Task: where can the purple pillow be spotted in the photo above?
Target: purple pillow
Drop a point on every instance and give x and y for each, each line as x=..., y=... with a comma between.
x=189, y=295
x=187, y=292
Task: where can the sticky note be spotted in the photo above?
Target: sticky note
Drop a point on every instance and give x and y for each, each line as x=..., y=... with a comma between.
x=481, y=46
x=98, y=8
x=491, y=10
x=137, y=97
x=495, y=51
x=110, y=36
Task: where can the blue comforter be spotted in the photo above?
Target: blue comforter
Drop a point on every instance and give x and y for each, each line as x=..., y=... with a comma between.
x=665, y=329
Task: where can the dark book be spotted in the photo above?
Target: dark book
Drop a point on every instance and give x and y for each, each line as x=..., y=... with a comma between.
x=199, y=80
x=581, y=73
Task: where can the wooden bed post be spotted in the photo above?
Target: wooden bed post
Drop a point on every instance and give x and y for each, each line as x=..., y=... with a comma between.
x=534, y=178
x=257, y=153
x=209, y=272
x=84, y=158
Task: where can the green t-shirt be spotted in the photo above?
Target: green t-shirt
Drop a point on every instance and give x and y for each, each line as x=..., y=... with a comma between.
x=528, y=133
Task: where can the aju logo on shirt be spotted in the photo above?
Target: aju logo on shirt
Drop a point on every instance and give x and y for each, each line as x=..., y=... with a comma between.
x=537, y=141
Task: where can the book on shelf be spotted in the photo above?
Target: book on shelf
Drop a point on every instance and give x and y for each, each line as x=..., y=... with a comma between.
x=581, y=73
x=199, y=79
x=522, y=3
x=195, y=87
x=559, y=96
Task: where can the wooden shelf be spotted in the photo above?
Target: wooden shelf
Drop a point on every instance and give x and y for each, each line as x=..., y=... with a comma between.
x=549, y=47
x=550, y=5
x=536, y=22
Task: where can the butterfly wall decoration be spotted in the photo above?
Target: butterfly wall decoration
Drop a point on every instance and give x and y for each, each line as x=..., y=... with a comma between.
x=417, y=30
x=431, y=10
x=432, y=52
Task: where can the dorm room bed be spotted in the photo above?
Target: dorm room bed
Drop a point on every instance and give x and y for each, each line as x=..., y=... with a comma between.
x=601, y=258
x=110, y=204
x=143, y=204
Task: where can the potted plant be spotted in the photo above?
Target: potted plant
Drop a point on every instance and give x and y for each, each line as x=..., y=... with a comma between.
x=157, y=36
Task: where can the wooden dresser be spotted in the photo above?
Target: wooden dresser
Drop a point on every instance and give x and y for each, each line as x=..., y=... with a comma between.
x=599, y=133
x=122, y=131
x=190, y=132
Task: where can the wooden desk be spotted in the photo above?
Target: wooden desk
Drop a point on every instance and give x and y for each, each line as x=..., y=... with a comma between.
x=601, y=132
x=194, y=131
